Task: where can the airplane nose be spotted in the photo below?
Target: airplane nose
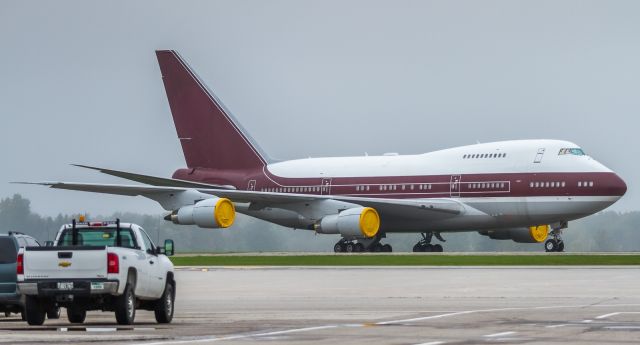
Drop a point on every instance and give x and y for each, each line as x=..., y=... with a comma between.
x=618, y=186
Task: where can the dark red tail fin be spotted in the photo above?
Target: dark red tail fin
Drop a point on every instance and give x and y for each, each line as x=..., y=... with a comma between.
x=209, y=135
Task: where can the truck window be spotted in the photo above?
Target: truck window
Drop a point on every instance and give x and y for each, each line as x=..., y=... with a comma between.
x=21, y=242
x=8, y=251
x=147, y=241
x=98, y=237
x=32, y=242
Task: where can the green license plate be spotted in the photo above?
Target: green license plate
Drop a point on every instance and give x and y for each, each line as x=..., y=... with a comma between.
x=97, y=286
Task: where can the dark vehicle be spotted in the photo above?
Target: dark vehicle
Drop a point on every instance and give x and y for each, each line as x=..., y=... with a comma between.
x=11, y=301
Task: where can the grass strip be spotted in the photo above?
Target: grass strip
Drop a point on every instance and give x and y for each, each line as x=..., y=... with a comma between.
x=408, y=260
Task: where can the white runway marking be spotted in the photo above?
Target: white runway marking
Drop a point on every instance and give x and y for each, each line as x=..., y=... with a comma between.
x=432, y=343
x=193, y=340
x=501, y=334
x=614, y=314
x=557, y=326
x=241, y=336
x=426, y=317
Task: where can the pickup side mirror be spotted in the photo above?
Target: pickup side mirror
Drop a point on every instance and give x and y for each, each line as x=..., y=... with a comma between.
x=168, y=247
x=48, y=244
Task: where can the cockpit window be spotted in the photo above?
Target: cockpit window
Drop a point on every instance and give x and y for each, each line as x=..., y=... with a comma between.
x=571, y=151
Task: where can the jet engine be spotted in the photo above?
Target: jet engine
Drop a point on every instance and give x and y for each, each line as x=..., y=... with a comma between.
x=210, y=213
x=354, y=222
x=531, y=234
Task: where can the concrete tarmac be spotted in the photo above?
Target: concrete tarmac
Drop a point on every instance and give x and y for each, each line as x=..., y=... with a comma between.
x=375, y=305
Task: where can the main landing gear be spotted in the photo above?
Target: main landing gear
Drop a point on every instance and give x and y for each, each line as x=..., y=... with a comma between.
x=364, y=245
x=424, y=245
x=554, y=244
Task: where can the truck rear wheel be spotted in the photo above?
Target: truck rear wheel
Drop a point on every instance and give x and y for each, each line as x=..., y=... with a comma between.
x=164, y=306
x=76, y=315
x=35, y=311
x=126, y=306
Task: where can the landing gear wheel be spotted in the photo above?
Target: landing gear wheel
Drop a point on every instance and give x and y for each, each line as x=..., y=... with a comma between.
x=437, y=248
x=53, y=313
x=338, y=248
x=377, y=248
x=164, y=306
x=349, y=248
x=387, y=248
x=560, y=246
x=35, y=311
x=358, y=247
x=126, y=306
x=417, y=248
x=76, y=315
x=551, y=245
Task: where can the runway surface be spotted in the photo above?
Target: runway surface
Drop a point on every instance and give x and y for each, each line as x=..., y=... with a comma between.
x=385, y=305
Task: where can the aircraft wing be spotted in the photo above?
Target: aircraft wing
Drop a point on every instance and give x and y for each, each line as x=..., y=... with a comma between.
x=154, y=180
x=396, y=207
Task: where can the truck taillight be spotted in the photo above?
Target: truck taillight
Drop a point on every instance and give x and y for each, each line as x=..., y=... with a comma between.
x=20, y=264
x=113, y=263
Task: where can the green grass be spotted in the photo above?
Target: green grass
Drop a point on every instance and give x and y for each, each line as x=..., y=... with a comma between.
x=406, y=260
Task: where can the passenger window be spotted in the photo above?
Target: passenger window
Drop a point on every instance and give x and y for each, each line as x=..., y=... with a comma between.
x=579, y=183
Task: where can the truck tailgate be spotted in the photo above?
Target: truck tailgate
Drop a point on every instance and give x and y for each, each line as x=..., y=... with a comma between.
x=65, y=262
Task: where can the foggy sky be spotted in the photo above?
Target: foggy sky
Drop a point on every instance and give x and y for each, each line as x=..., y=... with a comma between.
x=79, y=82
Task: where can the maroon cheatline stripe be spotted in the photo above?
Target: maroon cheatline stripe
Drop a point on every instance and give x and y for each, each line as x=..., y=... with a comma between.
x=427, y=186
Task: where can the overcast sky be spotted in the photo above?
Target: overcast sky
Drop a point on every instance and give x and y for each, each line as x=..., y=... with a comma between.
x=79, y=82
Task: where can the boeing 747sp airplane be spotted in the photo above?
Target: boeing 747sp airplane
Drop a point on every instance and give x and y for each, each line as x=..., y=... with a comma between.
x=522, y=190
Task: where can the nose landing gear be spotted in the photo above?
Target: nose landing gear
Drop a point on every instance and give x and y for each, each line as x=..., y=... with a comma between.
x=555, y=244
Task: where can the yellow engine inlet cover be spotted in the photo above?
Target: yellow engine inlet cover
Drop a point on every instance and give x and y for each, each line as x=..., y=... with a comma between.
x=539, y=233
x=369, y=222
x=224, y=213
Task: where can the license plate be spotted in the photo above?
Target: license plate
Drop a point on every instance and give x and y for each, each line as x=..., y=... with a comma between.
x=65, y=286
x=97, y=286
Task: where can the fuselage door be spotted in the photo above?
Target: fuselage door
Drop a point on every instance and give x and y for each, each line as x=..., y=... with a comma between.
x=252, y=185
x=326, y=186
x=539, y=155
x=455, y=185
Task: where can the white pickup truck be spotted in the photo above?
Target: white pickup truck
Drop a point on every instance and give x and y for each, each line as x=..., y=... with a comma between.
x=108, y=266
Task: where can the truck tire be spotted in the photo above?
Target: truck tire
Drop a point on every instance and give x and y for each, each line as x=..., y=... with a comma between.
x=126, y=306
x=35, y=311
x=164, y=306
x=76, y=315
